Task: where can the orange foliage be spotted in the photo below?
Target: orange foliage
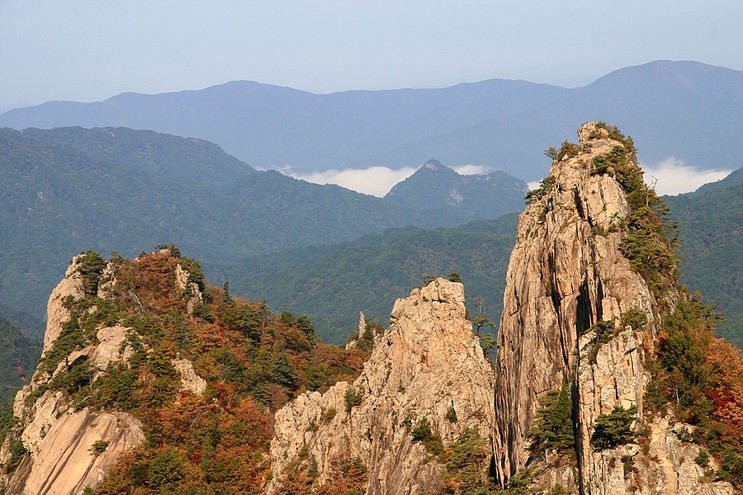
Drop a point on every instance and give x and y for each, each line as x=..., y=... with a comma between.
x=253, y=362
x=702, y=377
x=152, y=279
x=726, y=365
x=345, y=477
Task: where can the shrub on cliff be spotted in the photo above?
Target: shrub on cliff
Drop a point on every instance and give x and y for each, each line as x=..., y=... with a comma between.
x=466, y=464
x=614, y=429
x=90, y=268
x=553, y=427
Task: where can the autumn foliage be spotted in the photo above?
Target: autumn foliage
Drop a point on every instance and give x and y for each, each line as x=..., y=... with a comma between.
x=701, y=378
x=253, y=361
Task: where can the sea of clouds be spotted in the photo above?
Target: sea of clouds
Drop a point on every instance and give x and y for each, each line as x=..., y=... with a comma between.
x=669, y=177
x=376, y=181
x=673, y=176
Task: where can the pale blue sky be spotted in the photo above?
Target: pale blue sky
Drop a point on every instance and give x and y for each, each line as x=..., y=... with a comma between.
x=93, y=49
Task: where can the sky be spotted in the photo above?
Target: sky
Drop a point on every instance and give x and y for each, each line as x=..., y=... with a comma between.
x=89, y=50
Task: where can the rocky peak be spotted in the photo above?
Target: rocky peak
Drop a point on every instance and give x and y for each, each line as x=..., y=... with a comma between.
x=426, y=369
x=435, y=186
x=71, y=286
x=579, y=316
x=68, y=445
x=561, y=280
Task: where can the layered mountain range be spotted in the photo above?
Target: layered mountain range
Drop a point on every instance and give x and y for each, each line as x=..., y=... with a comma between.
x=687, y=110
x=121, y=190
x=67, y=190
x=607, y=379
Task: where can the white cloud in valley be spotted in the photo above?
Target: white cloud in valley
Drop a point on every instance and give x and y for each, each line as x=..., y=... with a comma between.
x=376, y=181
x=532, y=185
x=669, y=177
x=673, y=176
x=471, y=169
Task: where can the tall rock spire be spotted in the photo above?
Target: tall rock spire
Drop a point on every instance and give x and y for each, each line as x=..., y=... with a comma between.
x=581, y=309
x=562, y=278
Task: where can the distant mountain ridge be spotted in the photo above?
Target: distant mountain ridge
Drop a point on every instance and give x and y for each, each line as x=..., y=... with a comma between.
x=683, y=109
x=69, y=190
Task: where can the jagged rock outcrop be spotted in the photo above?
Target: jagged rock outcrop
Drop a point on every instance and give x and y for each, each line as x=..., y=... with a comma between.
x=567, y=306
x=190, y=380
x=69, y=448
x=57, y=312
x=68, y=445
x=354, y=342
x=192, y=288
x=426, y=367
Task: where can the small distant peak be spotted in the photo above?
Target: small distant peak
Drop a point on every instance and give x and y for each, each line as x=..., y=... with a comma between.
x=433, y=165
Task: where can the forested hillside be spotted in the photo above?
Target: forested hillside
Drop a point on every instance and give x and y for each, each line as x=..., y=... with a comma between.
x=115, y=189
x=18, y=356
x=332, y=284
x=712, y=248
x=210, y=440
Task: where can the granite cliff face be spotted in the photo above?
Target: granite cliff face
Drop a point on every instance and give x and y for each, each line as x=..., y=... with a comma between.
x=427, y=368
x=69, y=446
x=576, y=312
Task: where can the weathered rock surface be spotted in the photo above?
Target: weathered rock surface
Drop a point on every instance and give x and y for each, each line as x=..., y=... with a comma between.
x=190, y=380
x=182, y=280
x=68, y=448
x=109, y=349
x=426, y=365
x=561, y=280
x=72, y=285
x=566, y=274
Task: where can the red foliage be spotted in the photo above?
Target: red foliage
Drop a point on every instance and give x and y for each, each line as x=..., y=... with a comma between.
x=253, y=363
x=726, y=392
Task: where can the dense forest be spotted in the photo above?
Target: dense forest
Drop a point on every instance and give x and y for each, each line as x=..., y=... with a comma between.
x=332, y=284
x=116, y=190
x=18, y=356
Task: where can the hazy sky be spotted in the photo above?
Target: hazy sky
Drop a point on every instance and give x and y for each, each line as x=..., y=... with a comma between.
x=90, y=50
